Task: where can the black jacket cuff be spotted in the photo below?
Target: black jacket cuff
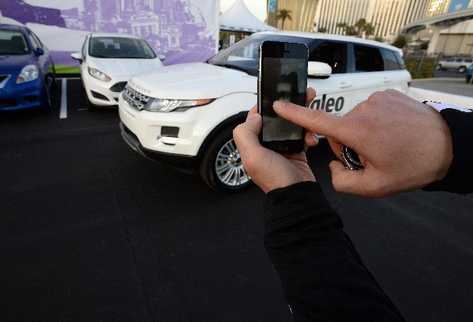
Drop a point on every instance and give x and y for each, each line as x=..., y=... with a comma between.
x=460, y=174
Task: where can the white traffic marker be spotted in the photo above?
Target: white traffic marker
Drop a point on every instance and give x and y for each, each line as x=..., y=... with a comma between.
x=63, y=111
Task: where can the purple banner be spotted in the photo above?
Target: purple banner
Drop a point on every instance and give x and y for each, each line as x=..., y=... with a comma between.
x=180, y=30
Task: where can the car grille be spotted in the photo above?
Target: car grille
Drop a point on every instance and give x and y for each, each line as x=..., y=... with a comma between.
x=135, y=99
x=118, y=87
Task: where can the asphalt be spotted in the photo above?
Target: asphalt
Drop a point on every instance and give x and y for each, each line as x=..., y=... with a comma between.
x=451, y=85
x=91, y=231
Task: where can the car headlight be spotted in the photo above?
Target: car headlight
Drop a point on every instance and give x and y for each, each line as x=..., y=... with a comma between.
x=169, y=105
x=28, y=73
x=97, y=74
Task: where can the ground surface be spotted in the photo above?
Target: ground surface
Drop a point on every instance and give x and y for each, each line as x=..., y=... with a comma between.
x=451, y=85
x=93, y=232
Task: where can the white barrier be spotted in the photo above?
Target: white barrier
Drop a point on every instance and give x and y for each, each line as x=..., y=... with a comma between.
x=427, y=95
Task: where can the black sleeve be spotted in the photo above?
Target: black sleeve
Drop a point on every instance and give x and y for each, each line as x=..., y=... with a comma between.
x=460, y=175
x=321, y=272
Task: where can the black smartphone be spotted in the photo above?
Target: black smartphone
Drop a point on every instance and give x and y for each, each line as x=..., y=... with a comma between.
x=282, y=76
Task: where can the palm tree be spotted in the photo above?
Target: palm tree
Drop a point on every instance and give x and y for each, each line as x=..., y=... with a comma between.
x=284, y=14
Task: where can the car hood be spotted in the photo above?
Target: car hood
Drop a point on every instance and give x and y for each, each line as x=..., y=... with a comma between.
x=125, y=67
x=194, y=81
x=14, y=63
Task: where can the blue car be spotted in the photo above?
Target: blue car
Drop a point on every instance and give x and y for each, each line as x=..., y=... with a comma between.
x=469, y=74
x=26, y=70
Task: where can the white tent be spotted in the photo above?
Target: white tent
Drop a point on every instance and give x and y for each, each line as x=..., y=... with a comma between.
x=239, y=18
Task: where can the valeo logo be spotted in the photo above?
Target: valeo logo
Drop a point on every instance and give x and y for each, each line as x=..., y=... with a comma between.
x=330, y=104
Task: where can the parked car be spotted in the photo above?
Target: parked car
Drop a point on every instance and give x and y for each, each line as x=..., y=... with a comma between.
x=459, y=64
x=26, y=70
x=185, y=113
x=108, y=61
x=469, y=74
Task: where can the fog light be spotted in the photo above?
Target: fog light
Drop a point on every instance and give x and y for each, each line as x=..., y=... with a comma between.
x=170, y=131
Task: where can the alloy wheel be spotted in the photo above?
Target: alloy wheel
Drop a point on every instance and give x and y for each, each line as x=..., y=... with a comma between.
x=228, y=166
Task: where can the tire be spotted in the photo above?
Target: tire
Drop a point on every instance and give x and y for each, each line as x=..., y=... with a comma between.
x=88, y=104
x=221, y=146
x=462, y=69
x=49, y=87
x=468, y=79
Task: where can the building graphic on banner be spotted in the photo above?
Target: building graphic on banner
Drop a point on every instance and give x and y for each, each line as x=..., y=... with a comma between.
x=177, y=29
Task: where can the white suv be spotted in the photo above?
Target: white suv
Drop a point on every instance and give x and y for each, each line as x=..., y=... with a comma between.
x=460, y=64
x=185, y=113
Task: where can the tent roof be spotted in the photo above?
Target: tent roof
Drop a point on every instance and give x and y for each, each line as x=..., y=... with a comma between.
x=239, y=18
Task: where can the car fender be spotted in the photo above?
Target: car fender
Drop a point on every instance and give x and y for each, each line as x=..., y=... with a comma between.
x=228, y=110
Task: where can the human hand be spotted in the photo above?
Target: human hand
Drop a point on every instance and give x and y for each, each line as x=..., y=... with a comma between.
x=268, y=169
x=402, y=143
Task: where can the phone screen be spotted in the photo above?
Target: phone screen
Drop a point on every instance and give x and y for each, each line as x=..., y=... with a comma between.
x=283, y=77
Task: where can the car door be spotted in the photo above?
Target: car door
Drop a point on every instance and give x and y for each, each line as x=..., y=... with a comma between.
x=334, y=94
x=448, y=63
x=395, y=76
x=368, y=72
x=43, y=60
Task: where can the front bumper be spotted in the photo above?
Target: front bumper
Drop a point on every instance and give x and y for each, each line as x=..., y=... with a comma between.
x=150, y=129
x=104, y=93
x=183, y=163
x=21, y=96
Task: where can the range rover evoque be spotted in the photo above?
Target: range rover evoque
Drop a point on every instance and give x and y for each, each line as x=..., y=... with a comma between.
x=185, y=114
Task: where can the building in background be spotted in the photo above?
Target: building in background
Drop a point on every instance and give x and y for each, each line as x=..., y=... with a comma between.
x=302, y=14
x=387, y=16
x=437, y=7
x=456, y=40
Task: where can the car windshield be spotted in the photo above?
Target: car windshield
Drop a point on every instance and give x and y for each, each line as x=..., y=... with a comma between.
x=116, y=47
x=13, y=43
x=243, y=56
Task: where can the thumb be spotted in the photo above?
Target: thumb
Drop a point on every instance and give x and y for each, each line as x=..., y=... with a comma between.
x=246, y=134
x=348, y=181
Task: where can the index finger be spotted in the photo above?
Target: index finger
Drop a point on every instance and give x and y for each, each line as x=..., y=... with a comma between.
x=315, y=121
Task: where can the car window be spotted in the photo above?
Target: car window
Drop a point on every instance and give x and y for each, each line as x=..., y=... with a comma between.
x=244, y=55
x=13, y=43
x=458, y=60
x=36, y=40
x=390, y=61
x=368, y=59
x=332, y=53
x=399, y=59
x=117, y=47
x=84, y=45
x=468, y=60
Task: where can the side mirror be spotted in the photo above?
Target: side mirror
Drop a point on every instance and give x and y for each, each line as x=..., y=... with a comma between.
x=162, y=57
x=77, y=57
x=39, y=51
x=319, y=70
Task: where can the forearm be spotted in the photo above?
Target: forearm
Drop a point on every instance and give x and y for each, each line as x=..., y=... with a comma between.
x=321, y=273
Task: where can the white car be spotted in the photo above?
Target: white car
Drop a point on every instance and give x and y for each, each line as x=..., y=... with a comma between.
x=186, y=113
x=108, y=61
x=460, y=64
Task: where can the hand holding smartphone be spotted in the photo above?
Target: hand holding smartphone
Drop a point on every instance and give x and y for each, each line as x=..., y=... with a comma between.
x=282, y=76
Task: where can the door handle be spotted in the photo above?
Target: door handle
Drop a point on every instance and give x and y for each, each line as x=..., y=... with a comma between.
x=344, y=85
